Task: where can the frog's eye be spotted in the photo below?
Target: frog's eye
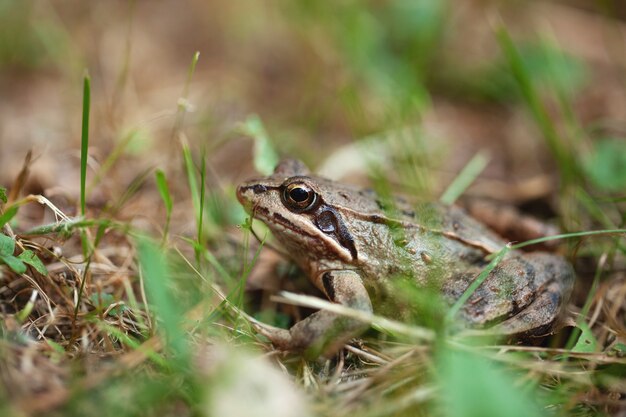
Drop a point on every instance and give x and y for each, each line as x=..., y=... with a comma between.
x=299, y=197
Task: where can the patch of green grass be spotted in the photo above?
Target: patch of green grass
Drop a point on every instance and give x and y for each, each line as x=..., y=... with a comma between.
x=605, y=165
x=29, y=40
x=476, y=386
x=527, y=86
x=391, y=50
x=552, y=72
x=157, y=279
x=265, y=156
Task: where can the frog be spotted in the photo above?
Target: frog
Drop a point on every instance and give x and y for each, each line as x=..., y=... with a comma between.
x=354, y=245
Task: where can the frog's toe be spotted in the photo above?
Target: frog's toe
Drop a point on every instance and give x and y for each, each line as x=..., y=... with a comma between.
x=281, y=338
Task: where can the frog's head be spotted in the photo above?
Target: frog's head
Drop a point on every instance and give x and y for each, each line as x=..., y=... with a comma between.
x=308, y=214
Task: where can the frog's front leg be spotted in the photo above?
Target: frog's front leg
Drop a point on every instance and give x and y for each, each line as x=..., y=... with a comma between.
x=325, y=332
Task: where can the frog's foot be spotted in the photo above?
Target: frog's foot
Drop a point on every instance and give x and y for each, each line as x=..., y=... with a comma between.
x=522, y=297
x=537, y=319
x=322, y=333
x=554, y=278
x=325, y=332
x=281, y=338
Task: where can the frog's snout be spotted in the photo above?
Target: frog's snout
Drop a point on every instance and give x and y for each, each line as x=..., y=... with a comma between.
x=244, y=199
x=248, y=193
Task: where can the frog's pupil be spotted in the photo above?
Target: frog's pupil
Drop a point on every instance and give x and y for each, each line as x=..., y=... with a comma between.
x=299, y=195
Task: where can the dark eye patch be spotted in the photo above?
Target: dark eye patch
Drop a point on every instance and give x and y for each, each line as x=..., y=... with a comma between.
x=326, y=221
x=330, y=222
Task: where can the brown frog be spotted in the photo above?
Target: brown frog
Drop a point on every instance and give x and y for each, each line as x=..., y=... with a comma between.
x=352, y=245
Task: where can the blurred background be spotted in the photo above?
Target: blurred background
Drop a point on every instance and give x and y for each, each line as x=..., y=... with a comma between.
x=318, y=76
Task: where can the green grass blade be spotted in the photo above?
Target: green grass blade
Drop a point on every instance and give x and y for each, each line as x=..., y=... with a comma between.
x=200, y=214
x=164, y=191
x=84, y=140
x=84, y=147
x=265, y=157
x=465, y=178
x=190, y=169
x=568, y=236
x=157, y=279
x=565, y=160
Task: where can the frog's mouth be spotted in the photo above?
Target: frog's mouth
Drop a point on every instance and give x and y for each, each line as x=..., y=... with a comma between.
x=280, y=223
x=287, y=232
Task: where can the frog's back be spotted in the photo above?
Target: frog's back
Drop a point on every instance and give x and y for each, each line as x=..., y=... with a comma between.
x=452, y=222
